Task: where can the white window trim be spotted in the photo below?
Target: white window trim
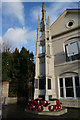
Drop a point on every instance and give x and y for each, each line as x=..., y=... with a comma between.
x=71, y=41
x=67, y=26
x=59, y=87
x=64, y=87
x=74, y=86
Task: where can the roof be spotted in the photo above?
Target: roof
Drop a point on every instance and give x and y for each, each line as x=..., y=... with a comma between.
x=64, y=13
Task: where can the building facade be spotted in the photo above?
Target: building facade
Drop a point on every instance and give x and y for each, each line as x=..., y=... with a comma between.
x=57, y=68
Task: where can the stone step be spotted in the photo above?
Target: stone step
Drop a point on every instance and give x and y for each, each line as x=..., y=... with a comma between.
x=49, y=113
x=53, y=113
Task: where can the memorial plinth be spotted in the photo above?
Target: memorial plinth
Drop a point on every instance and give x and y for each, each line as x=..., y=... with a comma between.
x=49, y=113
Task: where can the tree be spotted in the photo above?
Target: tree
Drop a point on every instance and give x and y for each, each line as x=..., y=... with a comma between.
x=18, y=68
x=6, y=64
x=14, y=73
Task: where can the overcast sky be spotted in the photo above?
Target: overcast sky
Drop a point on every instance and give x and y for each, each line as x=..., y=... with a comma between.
x=20, y=20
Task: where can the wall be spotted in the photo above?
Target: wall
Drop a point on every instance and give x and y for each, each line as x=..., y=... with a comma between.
x=12, y=100
x=68, y=103
x=5, y=90
x=58, y=46
x=71, y=103
x=60, y=64
x=60, y=25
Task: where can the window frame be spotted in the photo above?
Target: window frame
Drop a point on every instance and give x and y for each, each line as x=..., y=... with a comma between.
x=42, y=85
x=64, y=87
x=49, y=87
x=61, y=87
x=36, y=83
x=73, y=57
x=69, y=86
x=40, y=49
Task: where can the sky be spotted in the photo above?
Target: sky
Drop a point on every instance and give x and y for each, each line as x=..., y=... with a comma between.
x=20, y=21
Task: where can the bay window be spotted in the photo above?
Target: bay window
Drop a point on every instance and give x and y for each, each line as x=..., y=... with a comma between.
x=69, y=86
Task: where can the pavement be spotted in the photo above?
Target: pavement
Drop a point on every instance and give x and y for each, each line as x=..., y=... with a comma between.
x=15, y=111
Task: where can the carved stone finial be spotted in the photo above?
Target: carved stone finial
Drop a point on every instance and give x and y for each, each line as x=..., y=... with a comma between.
x=43, y=6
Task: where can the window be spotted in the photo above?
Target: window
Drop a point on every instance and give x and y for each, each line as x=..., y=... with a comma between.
x=61, y=87
x=69, y=86
x=77, y=86
x=36, y=82
x=41, y=83
x=40, y=49
x=70, y=24
x=40, y=33
x=72, y=51
x=49, y=83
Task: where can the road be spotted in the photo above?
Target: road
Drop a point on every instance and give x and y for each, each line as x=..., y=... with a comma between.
x=15, y=111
